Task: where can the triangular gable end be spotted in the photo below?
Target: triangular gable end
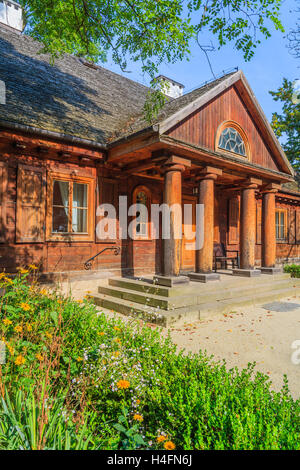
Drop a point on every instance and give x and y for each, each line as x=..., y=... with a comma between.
x=243, y=96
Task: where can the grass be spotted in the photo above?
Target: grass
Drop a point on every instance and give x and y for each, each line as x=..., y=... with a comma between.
x=75, y=379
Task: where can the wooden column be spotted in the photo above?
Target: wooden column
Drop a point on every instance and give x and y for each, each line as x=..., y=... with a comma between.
x=248, y=226
x=268, y=229
x=206, y=196
x=173, y=195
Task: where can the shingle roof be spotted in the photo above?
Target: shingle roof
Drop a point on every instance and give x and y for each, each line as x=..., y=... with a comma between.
x=67, y=97
x=172, y=107
x=71, y=98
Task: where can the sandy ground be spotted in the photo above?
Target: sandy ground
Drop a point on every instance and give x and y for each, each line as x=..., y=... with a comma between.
x=245, y=335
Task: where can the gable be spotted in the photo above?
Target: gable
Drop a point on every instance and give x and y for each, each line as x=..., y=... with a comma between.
x=201, y=127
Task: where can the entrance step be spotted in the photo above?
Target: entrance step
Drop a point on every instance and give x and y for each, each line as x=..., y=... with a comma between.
x=169, y=306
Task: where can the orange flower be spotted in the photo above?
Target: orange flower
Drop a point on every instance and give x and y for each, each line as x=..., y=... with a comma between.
x=20, y=360
x=24, y=306
x=28, y=327
x=161, y=438
x=138, y=417
x=100, y=333
x=11, y=350
x=22, y=270
x=39, y=357
x=123, y=384
x=79, y=359
x=169, y=445
x=7, y=321
x=18, y=329
x=48, y=335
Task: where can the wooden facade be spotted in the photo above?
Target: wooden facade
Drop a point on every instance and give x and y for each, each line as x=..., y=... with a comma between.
x=247, y=198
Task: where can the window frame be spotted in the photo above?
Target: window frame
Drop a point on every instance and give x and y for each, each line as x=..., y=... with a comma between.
x=146, y=190
x=224, y=125
x=71, y=236
x=285, y=226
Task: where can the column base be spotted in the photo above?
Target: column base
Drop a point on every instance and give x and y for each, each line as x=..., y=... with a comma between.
x=273, y=270
x=170, y=281
x=204, y=277
x=246, y=272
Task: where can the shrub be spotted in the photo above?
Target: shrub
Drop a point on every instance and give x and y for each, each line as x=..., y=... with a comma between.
x=122, y=386
x=293, y=269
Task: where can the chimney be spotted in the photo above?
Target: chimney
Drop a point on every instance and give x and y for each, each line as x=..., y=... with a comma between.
x=170, y=87
x=11, y=14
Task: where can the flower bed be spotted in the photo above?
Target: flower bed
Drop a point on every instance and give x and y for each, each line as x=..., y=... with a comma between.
x=77, y=380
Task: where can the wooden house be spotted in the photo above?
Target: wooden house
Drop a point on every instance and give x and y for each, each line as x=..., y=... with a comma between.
x=73, y=135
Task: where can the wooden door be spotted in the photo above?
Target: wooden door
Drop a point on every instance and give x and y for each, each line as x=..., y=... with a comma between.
x=188, y=228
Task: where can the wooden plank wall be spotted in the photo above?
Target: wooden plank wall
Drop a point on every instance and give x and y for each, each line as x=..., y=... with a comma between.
x=201, y=127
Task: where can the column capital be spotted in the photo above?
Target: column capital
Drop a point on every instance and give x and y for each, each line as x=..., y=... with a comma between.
x=174, y=163
x=209, y=172
x=251, y=183
x=271, y=188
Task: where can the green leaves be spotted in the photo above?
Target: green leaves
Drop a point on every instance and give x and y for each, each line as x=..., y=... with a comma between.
x=287, y=124
x=152, y=32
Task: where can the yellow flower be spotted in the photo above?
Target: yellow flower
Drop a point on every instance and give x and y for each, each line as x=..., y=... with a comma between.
x=48, y=335
x=24, y=306
x=20, y=360
x=123, y=384
x=138, y=401
x=79, y=301
x=169, y=445
x=43, y=292
x=8, y=280
x=18, y=329
x=138, y=417
x=39, y=357
x=11, y=350
x=88, y=292
x=59, y=301
x=117, y=340
x=28, y=327
x=7, y=321
x=161, y=438
x=117, y=328
x=100, y=333
x=79, y=359
x=2, y=275
x=33, y=266
x=116, y=353
x=22, y=271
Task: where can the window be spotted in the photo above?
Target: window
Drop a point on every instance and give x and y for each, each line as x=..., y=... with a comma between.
x=141, y=196
x=231, y=140
x=71, y=205
x=281, y=225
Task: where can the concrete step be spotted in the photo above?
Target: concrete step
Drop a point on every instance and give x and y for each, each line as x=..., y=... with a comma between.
x=166, y=303
x=225, y=284
x=189, y=313
x=196, y=295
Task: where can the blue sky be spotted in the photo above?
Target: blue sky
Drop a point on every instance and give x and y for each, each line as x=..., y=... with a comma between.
x=271, y=62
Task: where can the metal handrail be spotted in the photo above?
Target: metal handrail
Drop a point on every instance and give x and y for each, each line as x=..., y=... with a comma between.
x=88, y=263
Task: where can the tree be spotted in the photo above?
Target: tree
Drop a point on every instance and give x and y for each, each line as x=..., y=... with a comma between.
x=294, y=38
x=150, y=31
x=287, y=124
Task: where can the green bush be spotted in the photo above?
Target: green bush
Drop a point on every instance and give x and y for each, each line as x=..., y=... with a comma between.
x=293, y=269
x=122, y=386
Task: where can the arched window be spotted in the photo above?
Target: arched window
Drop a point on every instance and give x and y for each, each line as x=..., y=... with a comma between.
x=141, y=196
x=231, y=138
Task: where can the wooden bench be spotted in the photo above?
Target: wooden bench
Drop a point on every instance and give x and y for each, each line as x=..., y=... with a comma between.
x=221, y=256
